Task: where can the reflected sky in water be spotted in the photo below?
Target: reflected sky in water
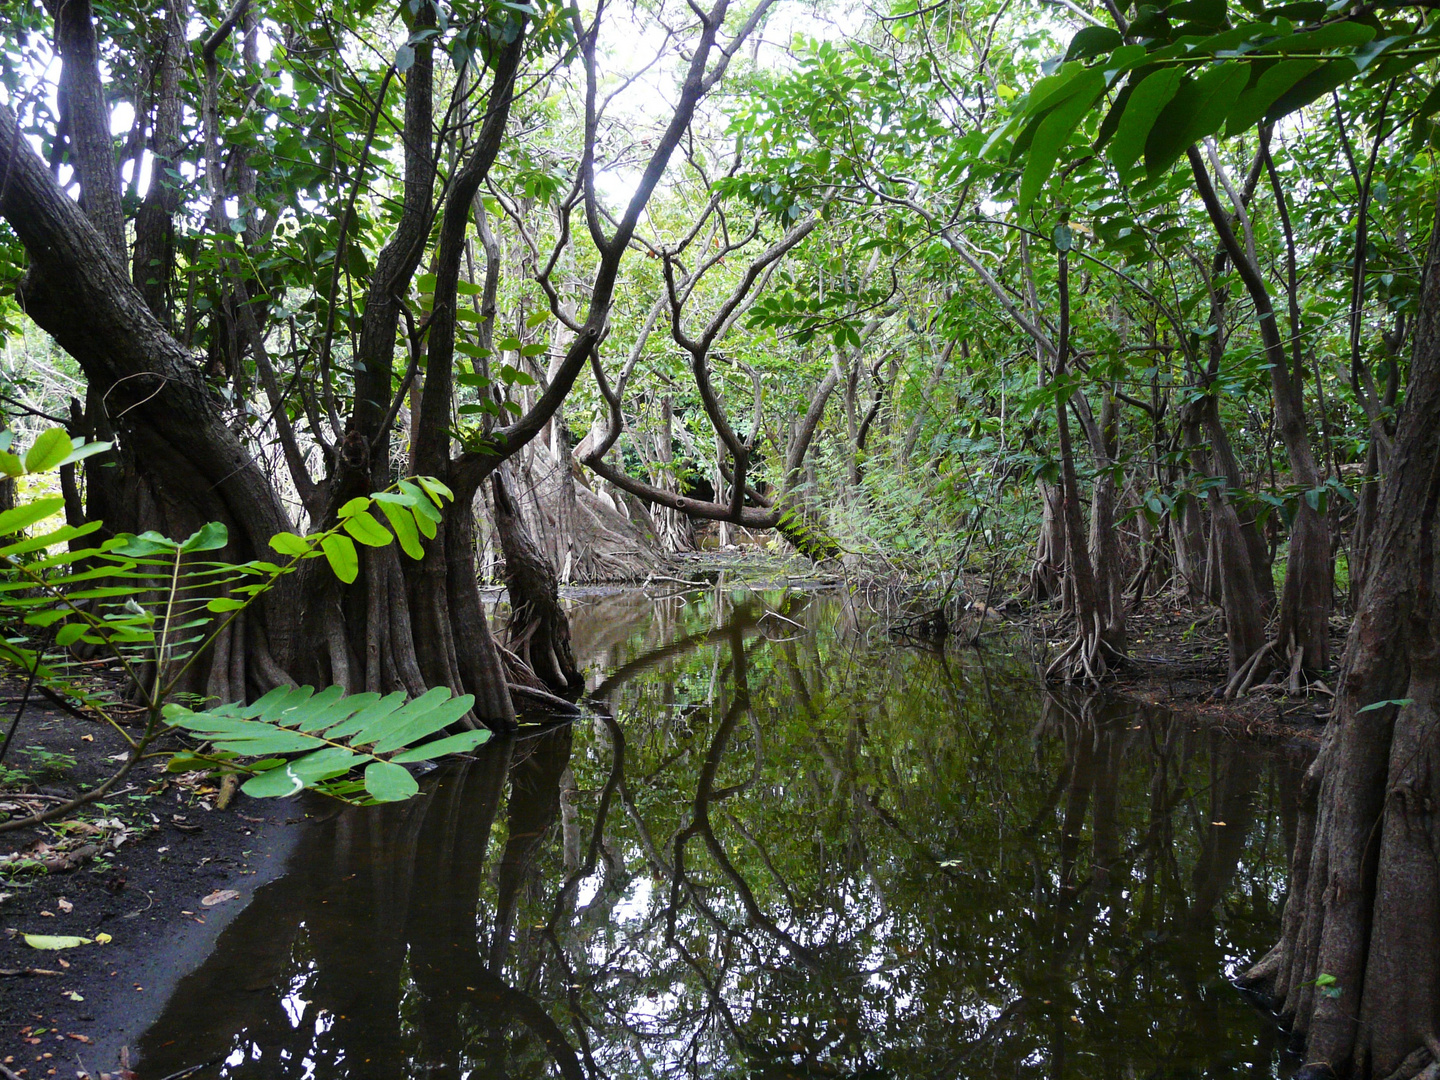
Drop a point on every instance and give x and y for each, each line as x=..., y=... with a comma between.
x=780, y=847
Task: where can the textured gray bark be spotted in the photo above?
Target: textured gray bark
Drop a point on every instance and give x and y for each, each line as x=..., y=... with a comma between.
x=1364, y=905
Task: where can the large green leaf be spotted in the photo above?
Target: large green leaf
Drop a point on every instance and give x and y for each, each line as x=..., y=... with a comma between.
x=1257, y=98
x=333, y=733
x=293, y=776
x=1142, y=109
x=387, y=782
x=210, y=537
x=364, y=528
x=423, y=722
x=21, y=517
x=343, y=558
x=1331, y=74
x=1054, y=130
x=403, y=522
x=47, y=451
x=1093, y=41
x=1198, y=108
x=451, y=744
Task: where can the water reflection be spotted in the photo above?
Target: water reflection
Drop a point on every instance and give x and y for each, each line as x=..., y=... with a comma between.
x=781, y=849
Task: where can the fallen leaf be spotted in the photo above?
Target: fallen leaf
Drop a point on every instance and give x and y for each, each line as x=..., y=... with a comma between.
x=103, y=939
x=87, y=738
x=65, y=905
x=79, y=1038
x=73, y=996
x=46, y=941
x=219, y=896
x=47, y=914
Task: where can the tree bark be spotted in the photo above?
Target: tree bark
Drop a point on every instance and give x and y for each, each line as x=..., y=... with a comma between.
x=1364, y=906
x=539, y=631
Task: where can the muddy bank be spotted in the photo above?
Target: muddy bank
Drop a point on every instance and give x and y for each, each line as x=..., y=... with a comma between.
x=131, y=873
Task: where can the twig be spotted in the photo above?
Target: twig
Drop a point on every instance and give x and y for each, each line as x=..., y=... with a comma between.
x=25, y=700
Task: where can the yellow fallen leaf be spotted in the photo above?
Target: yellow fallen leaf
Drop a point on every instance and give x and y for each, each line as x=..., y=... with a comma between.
x=103, y=939
x=219, y=896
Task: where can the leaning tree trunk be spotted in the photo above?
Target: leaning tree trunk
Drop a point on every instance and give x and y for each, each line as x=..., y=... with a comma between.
x=1357, y=971
x=77, y=289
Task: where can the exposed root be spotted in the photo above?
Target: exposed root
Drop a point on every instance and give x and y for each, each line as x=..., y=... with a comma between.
x=1087, y=659
x=1240, y=682
x=544, y=698
x=1244, y=678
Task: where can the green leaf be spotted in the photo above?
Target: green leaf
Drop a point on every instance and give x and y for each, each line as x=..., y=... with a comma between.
x=225, y=603
x=425, y=715
x=364, y=528
x=539, y=318
x=1206, y=12
x=372, y=713
x=403, y=522
x=1149, y=97
x=81, y=450
x=343, y=558
x=435, y=490
x=1198, y=109
x=451, y=744
x=387, y=782
x=70, y=633
x=287, y=543
x=12, y=521
x=294, y=776
x=1052, y=134
x=48, y=451
x=1092, y=41
x=11, y=465
x=211, y=537
x=53, y=941
x=1257, y=99
x=1335, y=35
x=1399, y=703
x=354, y=506
x=1322, y=80
x=410, y=725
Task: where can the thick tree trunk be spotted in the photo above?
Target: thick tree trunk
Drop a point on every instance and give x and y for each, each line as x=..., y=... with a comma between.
x=539, y=631
x=168, y=419
x=1358, y=968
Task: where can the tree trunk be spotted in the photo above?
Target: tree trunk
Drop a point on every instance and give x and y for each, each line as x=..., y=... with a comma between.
x=539, y=631
x=1047, y=567
x=1363, y=917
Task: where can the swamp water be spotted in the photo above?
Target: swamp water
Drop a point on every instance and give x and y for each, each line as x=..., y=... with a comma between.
x=783, y=847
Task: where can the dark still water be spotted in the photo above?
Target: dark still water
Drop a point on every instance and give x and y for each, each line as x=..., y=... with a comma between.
x=785, y=848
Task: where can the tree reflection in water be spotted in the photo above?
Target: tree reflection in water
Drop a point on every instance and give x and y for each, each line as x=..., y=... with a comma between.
x=779, y=849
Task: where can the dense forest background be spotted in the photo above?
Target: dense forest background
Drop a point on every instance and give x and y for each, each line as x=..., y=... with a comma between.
x=1118, y=306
